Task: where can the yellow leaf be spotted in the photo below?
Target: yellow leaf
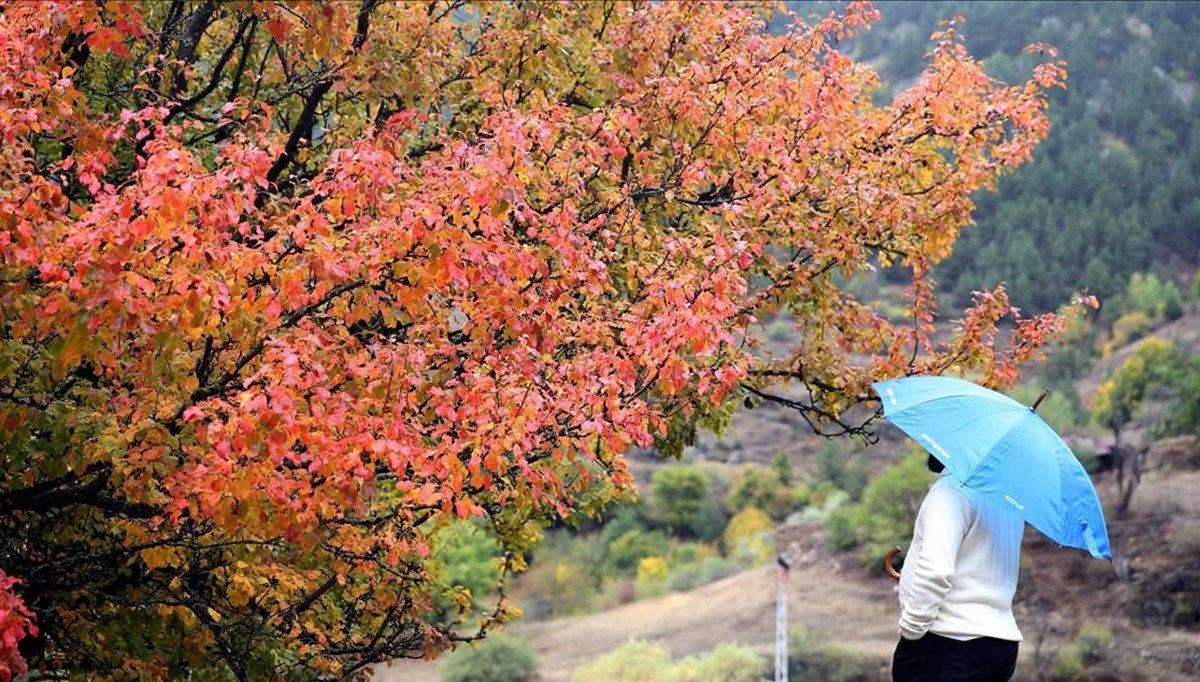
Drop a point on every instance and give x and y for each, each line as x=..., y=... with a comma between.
x=157, y=557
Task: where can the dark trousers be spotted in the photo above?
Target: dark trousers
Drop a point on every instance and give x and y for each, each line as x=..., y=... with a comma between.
x=934, y=658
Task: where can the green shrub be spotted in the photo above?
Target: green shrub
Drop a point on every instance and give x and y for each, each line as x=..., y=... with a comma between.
x=813, y=659
x=1068, y=664
x=1094, y=641
x=813, y=514
x=1173, y=308
x=633, y=661
x=691, y=552
x=839, y=528
x=762, y=488
x=782, y=465
x=684, y=503
x=692, y=575
x=640, y=661
x=821, y=493
x=726, y=663
x=1184, y=413
x=887, y=511
x=800, y=496
x=623, y=518
x=495, y=659
x=626, y=551
x=840, y=464
x=468, y=557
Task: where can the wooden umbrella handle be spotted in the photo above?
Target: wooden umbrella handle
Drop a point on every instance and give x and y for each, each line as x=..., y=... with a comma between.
x=1040, y=398
x=887, y=562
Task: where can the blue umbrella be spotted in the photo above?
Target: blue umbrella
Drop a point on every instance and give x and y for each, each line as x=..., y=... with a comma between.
x=999, y=447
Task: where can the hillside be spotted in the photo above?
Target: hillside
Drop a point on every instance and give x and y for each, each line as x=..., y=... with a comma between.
x=1151, y=582
x=1184, y=333
x=831, y=594
x=1113, y=190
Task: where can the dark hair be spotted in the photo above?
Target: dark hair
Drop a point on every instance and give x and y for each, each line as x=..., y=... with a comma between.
x=935, y=465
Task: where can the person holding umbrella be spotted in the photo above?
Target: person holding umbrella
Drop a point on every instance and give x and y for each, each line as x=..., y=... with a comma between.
x=999, y=467
x=957, y=587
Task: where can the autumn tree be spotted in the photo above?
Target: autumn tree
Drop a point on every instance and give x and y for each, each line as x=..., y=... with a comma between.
x=288, y=287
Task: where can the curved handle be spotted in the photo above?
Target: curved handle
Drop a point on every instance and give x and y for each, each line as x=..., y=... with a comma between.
x=887, y=562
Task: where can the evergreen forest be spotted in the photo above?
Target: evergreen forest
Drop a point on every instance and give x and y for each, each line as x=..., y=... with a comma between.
x=1115, y=188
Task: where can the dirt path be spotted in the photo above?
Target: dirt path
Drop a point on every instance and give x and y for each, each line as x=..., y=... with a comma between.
x=741, y=608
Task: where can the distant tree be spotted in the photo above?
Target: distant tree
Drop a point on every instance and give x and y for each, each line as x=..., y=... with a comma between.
x=1125, y=330
x=842, y=465
x=762, y=488
x=782, y=465
x=887, y=511
x=749, y=527
x=626, y=551
x=1085, y=213
x=1132, y=399
x=1185, y=412
x=1150, y=295
x=683, y=502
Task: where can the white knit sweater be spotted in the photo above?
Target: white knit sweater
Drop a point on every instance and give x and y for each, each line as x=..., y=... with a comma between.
x=960, y=573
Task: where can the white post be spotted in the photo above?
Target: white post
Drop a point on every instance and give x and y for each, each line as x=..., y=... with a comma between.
x=781, y=623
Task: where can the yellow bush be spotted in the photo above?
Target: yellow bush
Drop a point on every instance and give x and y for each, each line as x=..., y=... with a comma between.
x=1128, y=328
x=652, y=568
x=634, y=661
x=746, y=525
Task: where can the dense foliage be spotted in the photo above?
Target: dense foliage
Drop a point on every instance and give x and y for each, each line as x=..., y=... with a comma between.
x=286, y=288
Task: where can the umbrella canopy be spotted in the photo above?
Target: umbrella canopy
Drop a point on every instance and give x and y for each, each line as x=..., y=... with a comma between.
x=999, y=447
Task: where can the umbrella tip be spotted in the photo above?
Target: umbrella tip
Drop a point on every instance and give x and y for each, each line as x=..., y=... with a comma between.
x=1040, y=398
